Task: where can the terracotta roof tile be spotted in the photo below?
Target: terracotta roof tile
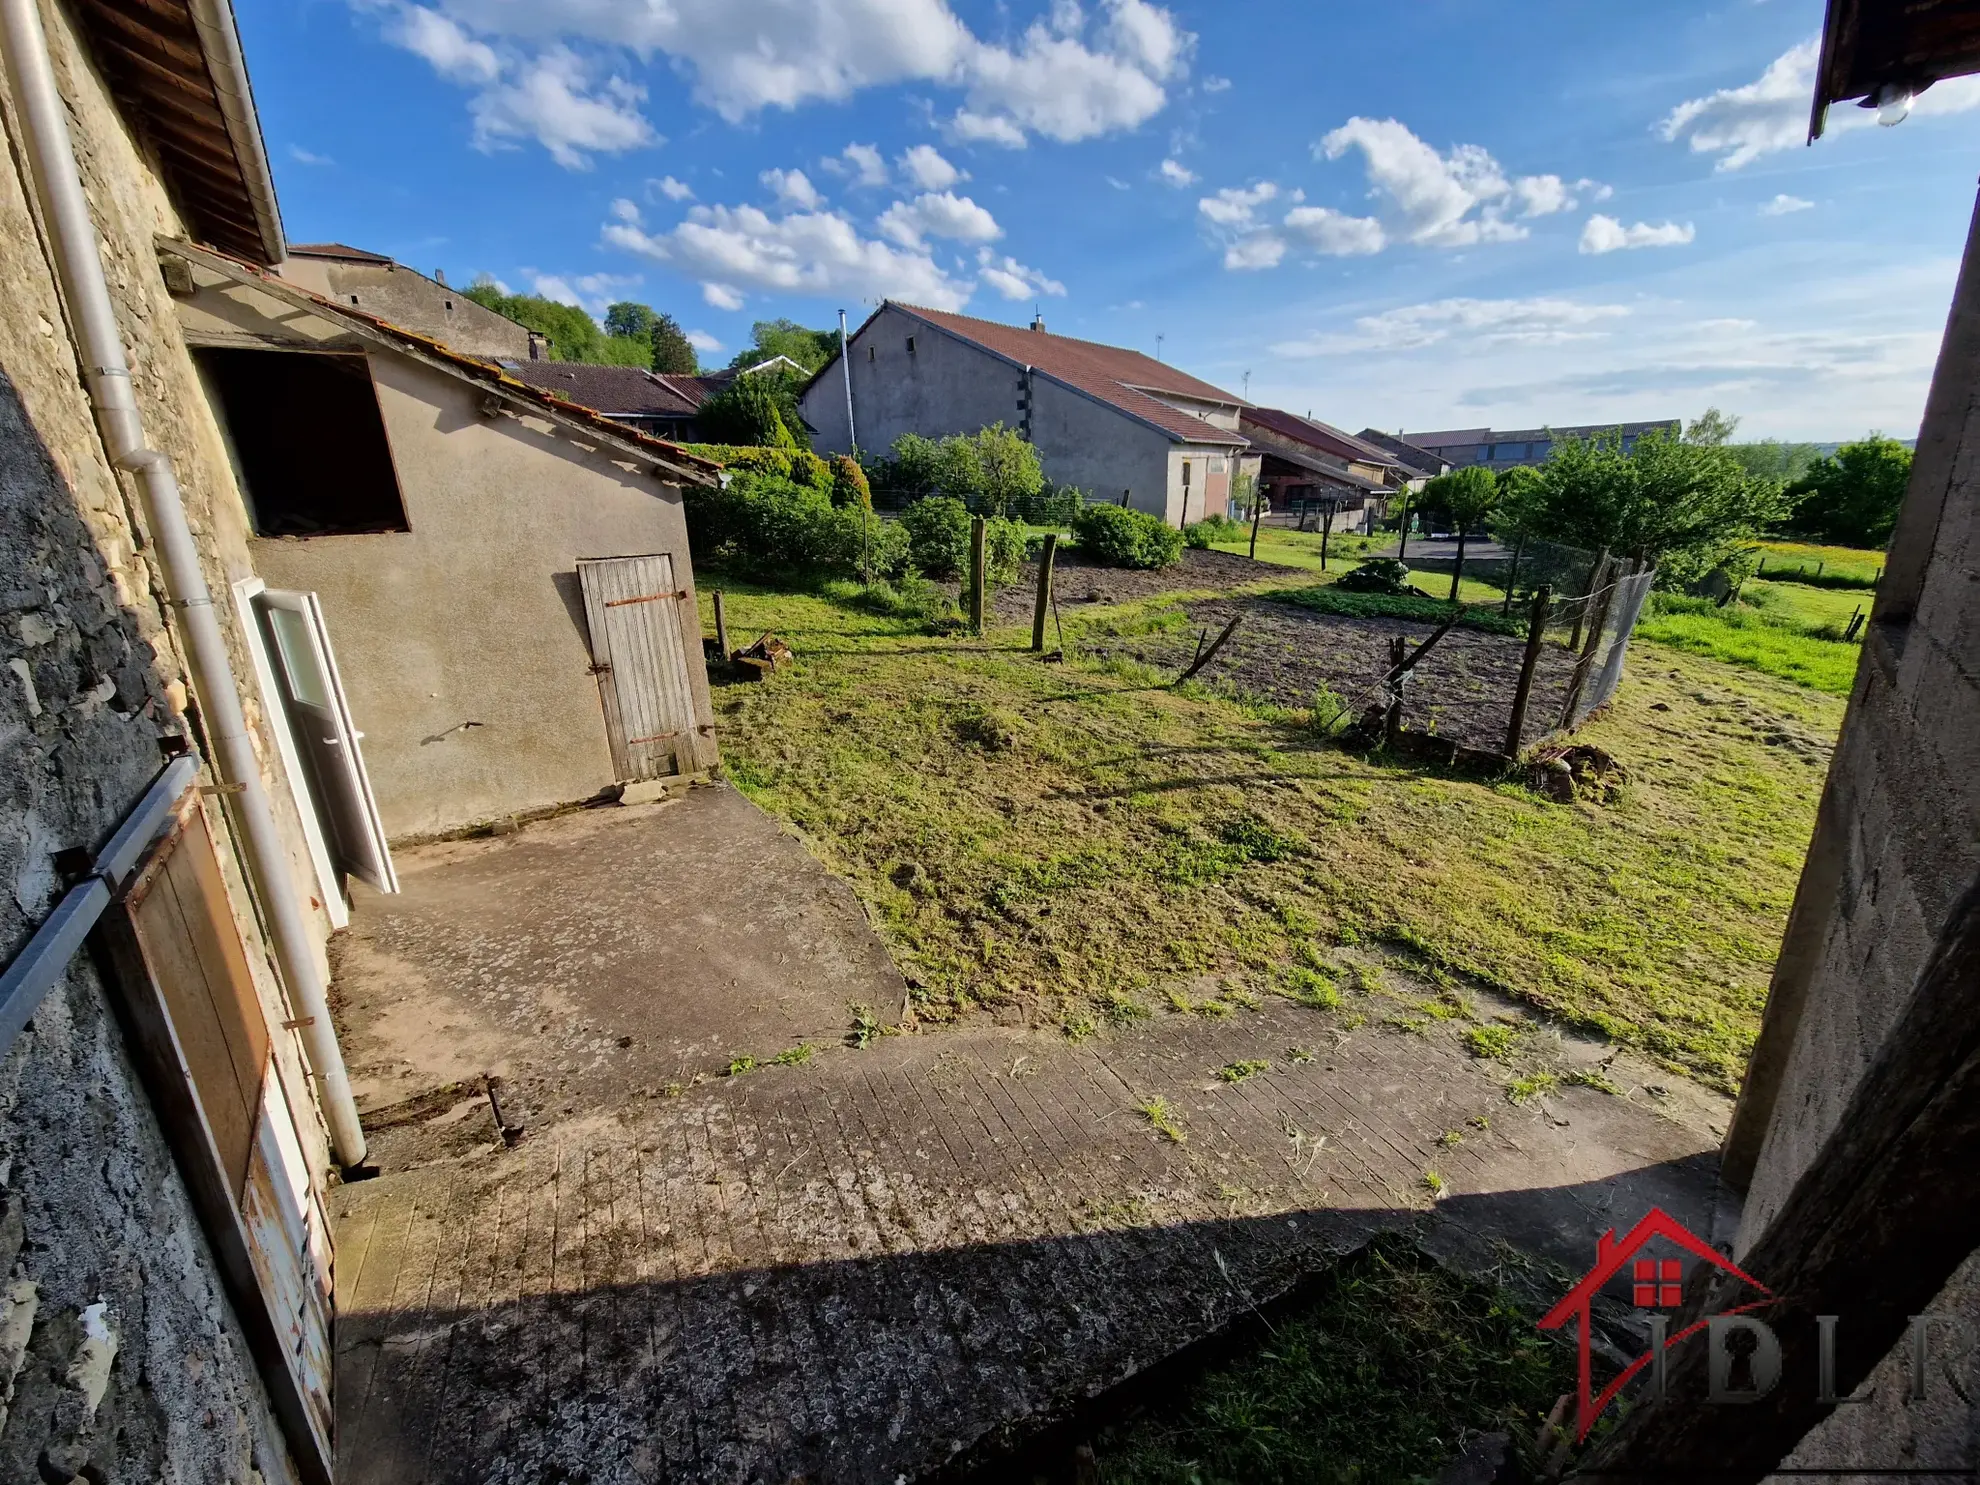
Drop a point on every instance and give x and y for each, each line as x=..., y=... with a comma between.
x=1315, y=434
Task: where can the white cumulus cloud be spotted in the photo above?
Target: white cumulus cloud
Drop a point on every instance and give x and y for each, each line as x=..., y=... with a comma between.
x=1536, y=321
x=673, y=190
x=1012, y=279
x=1604, y=234
x=938, y=214
x=925, y=167
x=1261, y=248
x=1334, y=233
x=1237, y=206
x=734, y=250
x=792, y=188
x=701, y=340
x=861, y=162
x=1177, y=174
x=1443, y=199
x=554, y=99
x=1782, y=204
x=1741, y=124
x=1071, y=76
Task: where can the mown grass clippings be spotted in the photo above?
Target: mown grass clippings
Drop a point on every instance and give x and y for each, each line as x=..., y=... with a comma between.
x=1493, y=1041
x=1529, y=1086
x=1377, y=1374
x=1130, y=820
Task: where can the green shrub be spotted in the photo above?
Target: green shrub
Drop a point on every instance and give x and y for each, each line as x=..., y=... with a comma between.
x=770, y=525
x=1115, y=536
x=1055, y=505
x=1383, y=575
x=849, y=486
x=937, y=531
x=938, y=536
x=1202, y=535
x=746, y=412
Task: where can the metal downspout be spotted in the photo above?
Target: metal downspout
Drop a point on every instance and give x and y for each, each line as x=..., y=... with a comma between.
x=51, y=153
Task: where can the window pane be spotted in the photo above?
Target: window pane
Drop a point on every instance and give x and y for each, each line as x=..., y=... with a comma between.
x=307, y=682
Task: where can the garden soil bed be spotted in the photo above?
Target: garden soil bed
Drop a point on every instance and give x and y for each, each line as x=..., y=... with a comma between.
x=1079, y=581
x=1283, y=653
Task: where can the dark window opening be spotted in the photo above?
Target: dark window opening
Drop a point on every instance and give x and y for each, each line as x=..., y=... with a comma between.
x=309, y=440
x=1185, y=474
x=910, y=345
x=870, y=354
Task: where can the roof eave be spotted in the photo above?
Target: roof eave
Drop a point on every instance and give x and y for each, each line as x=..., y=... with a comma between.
x=220, y=40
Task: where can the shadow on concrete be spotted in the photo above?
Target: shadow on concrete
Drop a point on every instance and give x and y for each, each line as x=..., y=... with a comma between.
x=978, y=1362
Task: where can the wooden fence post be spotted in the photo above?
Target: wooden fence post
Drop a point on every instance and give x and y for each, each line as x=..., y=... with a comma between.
x=1402, y=551
x=1512, y=572
x=1045, y=560
x=1257, y=511
x=1326, y=531
x=721, y=627
x=976, y=530
x=1392, y=722
x=1536, y=633
x=1594, y=582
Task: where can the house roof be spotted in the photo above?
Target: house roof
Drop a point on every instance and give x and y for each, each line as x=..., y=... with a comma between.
x=494, y=378
x=176, y=71
x=1911, y=46
x=1317, y=464
x=1462, y=437
x=1414, y=459
x=342, y=252
x=1315, y=434
x=1121, y=379
x=616, y=391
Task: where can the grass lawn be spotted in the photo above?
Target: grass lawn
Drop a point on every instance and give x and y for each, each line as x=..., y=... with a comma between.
x=1081, y=846
x=1785, y=632
x=1302, y=548
x=1840, y=562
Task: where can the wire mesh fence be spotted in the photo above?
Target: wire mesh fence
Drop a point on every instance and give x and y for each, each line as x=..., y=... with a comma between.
x=1596, y=626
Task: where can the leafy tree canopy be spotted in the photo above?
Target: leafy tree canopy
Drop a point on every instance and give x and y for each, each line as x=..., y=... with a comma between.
x=671, y=349
x=746, y=412
x=1853, y=498
x=1711, y=428
x=811, y=349
x=1467, y=496
x=1686, y=506
x=629, y=319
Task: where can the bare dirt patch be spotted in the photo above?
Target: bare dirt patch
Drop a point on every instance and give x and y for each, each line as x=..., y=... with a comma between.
x=1079, y=581
x=1283, y=653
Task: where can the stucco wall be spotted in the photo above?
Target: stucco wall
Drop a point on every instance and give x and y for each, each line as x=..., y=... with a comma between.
x=949, y=386
x=474, y=615
x=410, y=299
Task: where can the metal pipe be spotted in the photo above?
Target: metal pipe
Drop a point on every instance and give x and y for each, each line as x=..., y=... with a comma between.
x=73, y=238
x=845, y=366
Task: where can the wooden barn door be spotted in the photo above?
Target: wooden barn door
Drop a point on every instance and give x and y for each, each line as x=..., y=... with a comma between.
x=632, y=607
x=204, y=1045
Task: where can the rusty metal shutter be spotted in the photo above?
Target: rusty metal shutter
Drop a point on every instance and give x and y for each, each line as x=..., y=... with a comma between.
x=633, y=610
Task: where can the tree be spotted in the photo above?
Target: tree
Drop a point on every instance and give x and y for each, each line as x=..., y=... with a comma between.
x=1711, y=429
x=1852, y=498
x=745, y=413
x=629, y=319
x=573, y=334
x=811, y=349
x=672, y=351
x=1770, y=459
x=1687, y=507
x=1469, y=496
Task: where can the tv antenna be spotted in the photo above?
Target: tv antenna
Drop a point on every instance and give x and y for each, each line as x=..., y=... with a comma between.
x=1159, y=338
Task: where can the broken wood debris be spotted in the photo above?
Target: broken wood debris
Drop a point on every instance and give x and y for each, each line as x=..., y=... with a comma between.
x=759, y=661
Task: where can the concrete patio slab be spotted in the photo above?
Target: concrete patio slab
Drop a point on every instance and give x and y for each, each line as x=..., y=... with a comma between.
x=886, y=1259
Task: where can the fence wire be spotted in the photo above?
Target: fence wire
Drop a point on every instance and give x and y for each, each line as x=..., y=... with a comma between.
x=1597, y=624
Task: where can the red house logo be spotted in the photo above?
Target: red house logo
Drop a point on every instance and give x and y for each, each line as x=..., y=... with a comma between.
x=1656, y=1284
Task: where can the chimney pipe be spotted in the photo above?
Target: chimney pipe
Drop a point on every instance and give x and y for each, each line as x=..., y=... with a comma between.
x=1037, y=322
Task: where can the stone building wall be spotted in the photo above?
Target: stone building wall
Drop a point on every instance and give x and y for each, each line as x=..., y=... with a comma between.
x=119, y=1356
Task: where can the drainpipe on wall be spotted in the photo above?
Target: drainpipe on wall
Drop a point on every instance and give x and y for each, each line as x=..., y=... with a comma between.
x=72, y=232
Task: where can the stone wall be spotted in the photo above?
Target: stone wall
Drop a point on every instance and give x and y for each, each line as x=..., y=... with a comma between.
x=119, y=1357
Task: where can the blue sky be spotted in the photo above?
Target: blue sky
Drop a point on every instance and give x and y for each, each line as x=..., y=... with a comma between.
x=1429, y=213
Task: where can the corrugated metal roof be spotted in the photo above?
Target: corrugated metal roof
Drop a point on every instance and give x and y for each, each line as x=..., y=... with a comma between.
x=1123, y=379
x=1461, y=437
x=175, y=70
